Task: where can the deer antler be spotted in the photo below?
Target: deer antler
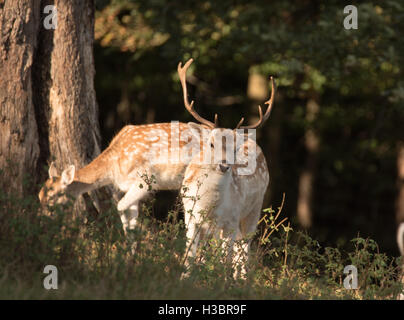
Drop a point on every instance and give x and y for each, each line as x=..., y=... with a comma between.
x=264, y=117
x=182, y=72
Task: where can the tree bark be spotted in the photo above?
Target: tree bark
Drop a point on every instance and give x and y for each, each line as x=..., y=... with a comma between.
x=19, y=148
x=74, y=135
x=73, y=116
x=48, y=103
x=72, y=111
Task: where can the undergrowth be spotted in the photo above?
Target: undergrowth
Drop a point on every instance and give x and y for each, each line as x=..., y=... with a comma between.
x=95, y=260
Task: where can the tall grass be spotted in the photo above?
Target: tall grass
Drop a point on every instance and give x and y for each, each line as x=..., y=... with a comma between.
x=95, y=260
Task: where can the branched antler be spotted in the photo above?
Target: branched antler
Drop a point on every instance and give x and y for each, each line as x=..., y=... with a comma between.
x=182, y=72
x=264, y=117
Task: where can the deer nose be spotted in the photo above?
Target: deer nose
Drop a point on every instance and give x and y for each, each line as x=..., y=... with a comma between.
x=224, y=167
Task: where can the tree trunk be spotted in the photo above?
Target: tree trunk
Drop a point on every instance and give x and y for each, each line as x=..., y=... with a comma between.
x=60, y=98
x=306, y=179
x=400, y=181
x=19, y=149
x=258, y=91
x=273, y=133
x=400, y=196
x=400, y=204
x=74, y=134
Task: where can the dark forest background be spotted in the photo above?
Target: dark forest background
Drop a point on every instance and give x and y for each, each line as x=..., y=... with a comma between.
x=333, y=139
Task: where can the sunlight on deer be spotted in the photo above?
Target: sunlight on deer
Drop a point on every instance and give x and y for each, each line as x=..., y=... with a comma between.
x=220, y=199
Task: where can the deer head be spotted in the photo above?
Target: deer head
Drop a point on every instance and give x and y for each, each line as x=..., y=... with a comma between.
x=221, y=146
x=56, y=187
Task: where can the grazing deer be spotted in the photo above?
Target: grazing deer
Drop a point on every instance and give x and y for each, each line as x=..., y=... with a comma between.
x=158, y=152
x=136, y=155
x=224, y=198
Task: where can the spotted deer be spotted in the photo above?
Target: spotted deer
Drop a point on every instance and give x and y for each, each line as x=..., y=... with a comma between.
x=224, y=198
x=128, y=163
x=158, y=153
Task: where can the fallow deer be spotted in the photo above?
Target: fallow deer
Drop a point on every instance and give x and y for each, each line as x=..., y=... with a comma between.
x=223, y=197
x=158, y=153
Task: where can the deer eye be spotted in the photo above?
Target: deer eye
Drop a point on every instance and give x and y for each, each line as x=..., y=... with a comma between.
x=211, y=145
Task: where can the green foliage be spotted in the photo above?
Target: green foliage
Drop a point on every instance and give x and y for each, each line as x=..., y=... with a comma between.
x=96, y=261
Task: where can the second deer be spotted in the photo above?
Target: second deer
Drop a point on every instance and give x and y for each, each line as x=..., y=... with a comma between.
x=224, y=198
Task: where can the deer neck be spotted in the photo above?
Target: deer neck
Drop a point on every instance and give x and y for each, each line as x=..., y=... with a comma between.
x=217, y=187
x=93, y=176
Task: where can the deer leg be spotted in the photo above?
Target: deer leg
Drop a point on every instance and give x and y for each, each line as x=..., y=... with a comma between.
x=131, y=201
x=229, y=235
x=240, y=251
x=192, y=242
x=193, y=234
x=248, y=226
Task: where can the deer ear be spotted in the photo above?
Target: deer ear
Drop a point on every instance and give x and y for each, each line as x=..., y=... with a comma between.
x=68, y=175
x=53, y=173
x=199, y=131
